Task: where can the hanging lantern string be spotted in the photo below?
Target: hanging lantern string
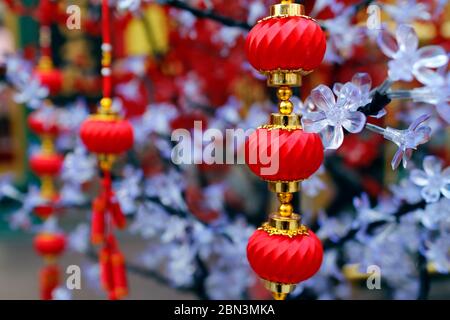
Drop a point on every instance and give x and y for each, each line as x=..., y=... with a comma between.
x=106, y=57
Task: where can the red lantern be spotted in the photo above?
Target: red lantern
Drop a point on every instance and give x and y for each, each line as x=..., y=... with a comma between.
x=41, y=124
x=283, y=155
x=51, y=78
x=49, y=244
x=46, y=164
x=101, y=136
x=283, y=259
x=286, y=43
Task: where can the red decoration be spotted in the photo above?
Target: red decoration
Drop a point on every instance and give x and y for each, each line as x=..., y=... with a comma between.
x=51, y=78
x=46, y=164
x=297, y=155
x=49, y=279
x=49, y=244
x=286, y=43
x=282, y=259
x=107, y=136
x=113, y=270
x=41, y=124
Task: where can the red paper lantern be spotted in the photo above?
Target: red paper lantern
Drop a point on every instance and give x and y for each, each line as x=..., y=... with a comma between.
x=291, y=155
x=41, y=124
x=286, y=43
x=283, y=259
x=46, y=164
x=51, y=78
x=49, y=244
x=107, y=136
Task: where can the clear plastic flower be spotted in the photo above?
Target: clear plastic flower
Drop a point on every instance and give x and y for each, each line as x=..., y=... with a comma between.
x=432, y=179
x=407, y=61
x=408, y=140
x=334, y=114
x=32, y=93
x=343, y=36
x=436, y=92
x=407, y=11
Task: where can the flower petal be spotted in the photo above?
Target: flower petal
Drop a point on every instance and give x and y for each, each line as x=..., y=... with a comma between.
x=432, y=166
x=362, y=81
x=407, y=38
x=349, y=97
x=323, y=97
x=354, y=122
x=419, y=177
x=418, y=121
x=430, y=194
x=314, y=121
x=387, y=43
x=431, y=57
x=332, y=137
x=397, y=159
x=444, y=111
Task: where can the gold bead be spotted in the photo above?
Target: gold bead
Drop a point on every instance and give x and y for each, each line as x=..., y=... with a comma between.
x=285, y=197
x=284, y=93
x=286, y=107
x=286, y=210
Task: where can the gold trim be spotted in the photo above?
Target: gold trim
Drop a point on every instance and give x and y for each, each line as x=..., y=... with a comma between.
x=287, y=9
x=284, y=186
x=277, y=78
x=105, y=117
x=282, y=289
x=301, y=230
x=284, y=223
x=106, y=161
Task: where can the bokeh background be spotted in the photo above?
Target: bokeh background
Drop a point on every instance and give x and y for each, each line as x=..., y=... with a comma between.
x=176, y=62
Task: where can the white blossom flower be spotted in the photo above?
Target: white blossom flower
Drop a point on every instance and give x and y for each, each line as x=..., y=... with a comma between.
x=407, y=11
x=79, y=238
x=432, y=179
x=407, y=61
x=334, y=115
x=313, y=185
x=435, y=214
x=438, y=252
x=129, y=189
x=343, y=36
x=407, y=140
x=79, y=166
x=406, y=191
x=436, y=92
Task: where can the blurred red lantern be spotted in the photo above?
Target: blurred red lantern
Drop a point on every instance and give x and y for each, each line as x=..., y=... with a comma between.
x=51, y=78
x=281, y=259
x=49, y=244
x=286, y=43
x=107, y=136
x=40, y=123
x=283, y=155
x=46, y=164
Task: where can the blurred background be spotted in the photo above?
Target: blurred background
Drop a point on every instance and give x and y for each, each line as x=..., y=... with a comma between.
x=176, y=62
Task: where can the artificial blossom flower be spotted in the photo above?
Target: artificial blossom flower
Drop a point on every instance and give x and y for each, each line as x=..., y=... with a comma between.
x=407, y=61
x=436, y=92
x=407, y=11
x=432, y=179
x=334, y=114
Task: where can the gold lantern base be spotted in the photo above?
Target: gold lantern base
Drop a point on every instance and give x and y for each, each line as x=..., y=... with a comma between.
x=279, y=290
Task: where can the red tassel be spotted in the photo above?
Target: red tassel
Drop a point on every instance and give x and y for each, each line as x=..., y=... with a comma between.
x=98, y=221
x=120, y=275
x=49, y=280
x=117, y=214
x=106, y=276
